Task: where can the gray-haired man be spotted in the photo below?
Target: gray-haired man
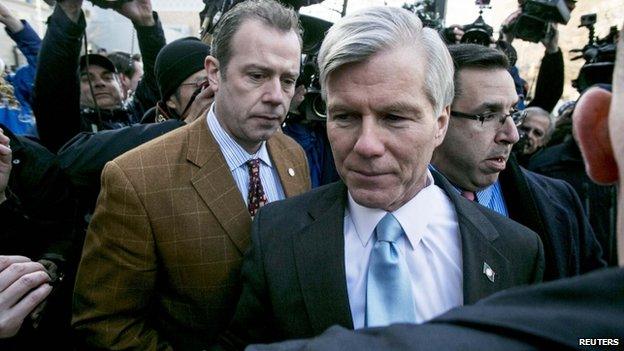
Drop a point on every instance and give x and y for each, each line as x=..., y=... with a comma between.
x=391, y=242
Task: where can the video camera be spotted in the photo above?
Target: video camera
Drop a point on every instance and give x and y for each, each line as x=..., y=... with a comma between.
x=599, y=55
x=477, y=32
x=534, y=22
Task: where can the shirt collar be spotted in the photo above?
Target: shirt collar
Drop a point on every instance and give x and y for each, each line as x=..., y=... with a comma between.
x=234, y=154
x=484, y=196
x=365, y=219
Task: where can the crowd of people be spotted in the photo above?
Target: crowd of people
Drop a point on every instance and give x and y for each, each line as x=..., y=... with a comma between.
x=157, y=202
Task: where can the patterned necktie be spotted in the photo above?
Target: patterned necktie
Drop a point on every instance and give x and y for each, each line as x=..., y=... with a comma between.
x=389, y=297
x=470, y=195
x=256, y=197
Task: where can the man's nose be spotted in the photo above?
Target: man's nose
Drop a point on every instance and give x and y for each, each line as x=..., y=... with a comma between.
x=369, y=142
x=508, y=133
x=273, y=93
x=97, y=81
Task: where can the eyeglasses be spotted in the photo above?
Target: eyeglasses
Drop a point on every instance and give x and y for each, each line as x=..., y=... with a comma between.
x=516, y=115
x=197, y=84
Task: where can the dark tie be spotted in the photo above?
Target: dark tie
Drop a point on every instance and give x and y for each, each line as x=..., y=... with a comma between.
x=389, y=296
x=470, y=195
x=256, y=197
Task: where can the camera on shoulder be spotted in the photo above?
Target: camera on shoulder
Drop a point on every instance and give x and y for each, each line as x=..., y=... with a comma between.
x=534, y=22
x=599, y=55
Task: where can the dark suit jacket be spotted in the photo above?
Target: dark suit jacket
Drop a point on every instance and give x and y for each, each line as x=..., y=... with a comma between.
x=549, y=316
x=161, y=261
x=294, y=282
x=551, y=208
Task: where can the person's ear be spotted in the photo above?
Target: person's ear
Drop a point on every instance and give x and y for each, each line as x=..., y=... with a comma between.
x=211, y=65
x=172, y=102
x=590, y=119
x=442, y=124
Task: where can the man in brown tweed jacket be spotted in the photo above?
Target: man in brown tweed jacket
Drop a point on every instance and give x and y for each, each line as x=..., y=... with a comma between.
x=161, y=261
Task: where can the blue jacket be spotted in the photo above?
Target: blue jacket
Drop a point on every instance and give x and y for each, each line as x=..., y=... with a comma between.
x=28, y=42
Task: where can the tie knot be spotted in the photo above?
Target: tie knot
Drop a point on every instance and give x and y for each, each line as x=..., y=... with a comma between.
x=389, y=229
x=253, y=163
x=470, y=195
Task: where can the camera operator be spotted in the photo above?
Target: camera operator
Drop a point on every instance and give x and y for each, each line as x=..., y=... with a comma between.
x=179, y=68
x=65, y=105
x=550, y=78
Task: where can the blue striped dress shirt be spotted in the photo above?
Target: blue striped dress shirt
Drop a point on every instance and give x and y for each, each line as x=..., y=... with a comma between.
x=492, y=198
x=236, y=158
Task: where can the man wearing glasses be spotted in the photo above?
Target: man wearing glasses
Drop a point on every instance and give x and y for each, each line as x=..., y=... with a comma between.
x=477, y=148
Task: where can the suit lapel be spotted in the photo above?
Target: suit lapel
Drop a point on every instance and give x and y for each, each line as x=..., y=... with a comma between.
x=286, y=169
x=478, y=252
x=215, y=185
x=319, y=259
x=522, y=205
x=520, y=202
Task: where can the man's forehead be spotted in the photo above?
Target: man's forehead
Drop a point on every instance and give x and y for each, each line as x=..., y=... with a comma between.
x=484, y=73
x=95, y=69
x=487, y=86
x=537, y=116
x=253, y=26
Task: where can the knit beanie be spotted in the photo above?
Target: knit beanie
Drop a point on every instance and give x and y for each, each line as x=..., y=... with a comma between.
x=177, y=61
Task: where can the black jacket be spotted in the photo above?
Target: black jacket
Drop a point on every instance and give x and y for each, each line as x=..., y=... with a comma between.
x=37, y=221
x=550, y=316
x=550, y=78
x=84, y=156
x=551, y=208
x=57, y=88
x=599, y=202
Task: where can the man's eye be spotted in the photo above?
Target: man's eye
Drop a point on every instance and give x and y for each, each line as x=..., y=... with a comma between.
x=288, y=81
x=256, y=76
x=340, y=116
x=394, y=118
x=490, y=116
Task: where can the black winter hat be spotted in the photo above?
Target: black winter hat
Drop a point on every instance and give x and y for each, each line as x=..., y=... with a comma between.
x=97, y=60
x=177, y=61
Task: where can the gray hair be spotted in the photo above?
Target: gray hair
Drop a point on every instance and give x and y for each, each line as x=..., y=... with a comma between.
x=268, y=12
x=540, y=111
x=360, y=35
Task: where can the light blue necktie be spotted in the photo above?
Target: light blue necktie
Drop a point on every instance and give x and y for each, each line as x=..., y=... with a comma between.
x=389, y=297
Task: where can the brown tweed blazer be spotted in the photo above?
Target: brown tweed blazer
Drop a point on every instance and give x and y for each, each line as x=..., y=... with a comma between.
x=161, y=260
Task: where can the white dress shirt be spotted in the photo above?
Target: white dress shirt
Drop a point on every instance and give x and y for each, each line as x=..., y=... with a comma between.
x=431, y=247
x=236, y=158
